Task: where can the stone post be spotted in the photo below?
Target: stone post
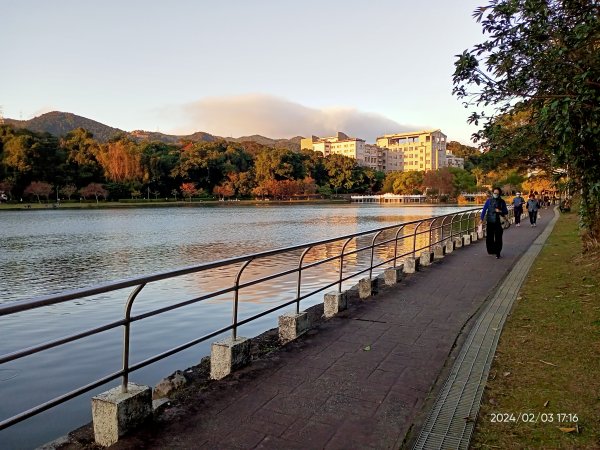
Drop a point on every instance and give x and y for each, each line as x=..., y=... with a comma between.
x=438, y=252
x=367, y=287
x=292, y=325
x=393, y=275
x=334, y=302
x=466, y=239
x=114, y=412
x=474, y=236
x=228, y=355
x=409, y=265
x=449, y=246
x=426, y=258
x=458, y=242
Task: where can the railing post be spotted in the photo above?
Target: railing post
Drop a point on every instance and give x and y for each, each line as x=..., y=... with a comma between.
x=452, y=226
x=126, y=333
x=342, y=262
x=443, y=225
x=430, y=232
x=300, y=278
x=236, y=293
x=415, y=239
x=462, y=219
x=373, y=252
x=396, y=244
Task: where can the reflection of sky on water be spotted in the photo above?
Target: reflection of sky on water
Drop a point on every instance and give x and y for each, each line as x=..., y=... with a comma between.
x=50, y=251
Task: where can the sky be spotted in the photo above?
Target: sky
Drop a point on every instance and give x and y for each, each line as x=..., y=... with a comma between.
x=232, y=68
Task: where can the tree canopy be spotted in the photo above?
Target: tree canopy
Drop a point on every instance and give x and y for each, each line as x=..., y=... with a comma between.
x=127, y=168
x=534, y=86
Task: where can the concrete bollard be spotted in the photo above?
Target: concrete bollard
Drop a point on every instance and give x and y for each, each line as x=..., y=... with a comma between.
x=426, y=258
x=291, y=326
x=409, y=265
x=466, y=239
x=438, y=252
x=367, y=287
x=114, y=412
x=334, y=302
x=458, y=242
x=227, y=356
x=449, y=246
x=473, y=236
x=393, y=275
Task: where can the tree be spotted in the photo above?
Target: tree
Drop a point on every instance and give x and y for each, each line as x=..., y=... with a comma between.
x=388, y=182
x=409, y=183
x=39, y=189
x=189, y=190
x=95, y=189
x=81, y=151
x=224, y=190
x=541, y=59
x=308, y=186
x=462, y=181
x=241, y=182
x=479, y=175
x=6, y=187
x=261, y=190
x=439, y=181
x=461, y=150
x=68, y=190
x=538, y=184
x=121, y=161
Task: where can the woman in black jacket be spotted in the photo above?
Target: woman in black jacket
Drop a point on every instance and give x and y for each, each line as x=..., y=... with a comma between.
x=492, y=210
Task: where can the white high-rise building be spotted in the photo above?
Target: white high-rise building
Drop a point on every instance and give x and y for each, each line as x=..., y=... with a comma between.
x=420, y=150
x=366, y=155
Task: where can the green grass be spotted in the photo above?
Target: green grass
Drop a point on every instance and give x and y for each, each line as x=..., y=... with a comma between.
x=548, y=357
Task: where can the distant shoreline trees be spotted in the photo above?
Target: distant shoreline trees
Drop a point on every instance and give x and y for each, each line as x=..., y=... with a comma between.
x=123, y=168
x=126, y=169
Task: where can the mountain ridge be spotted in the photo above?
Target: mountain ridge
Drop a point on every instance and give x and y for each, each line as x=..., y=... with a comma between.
x=60, y=123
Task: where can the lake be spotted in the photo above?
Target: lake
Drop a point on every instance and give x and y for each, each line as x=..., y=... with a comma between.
x=50, y=251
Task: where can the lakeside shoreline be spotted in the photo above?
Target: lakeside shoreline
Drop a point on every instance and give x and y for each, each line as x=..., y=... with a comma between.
x=200, y=203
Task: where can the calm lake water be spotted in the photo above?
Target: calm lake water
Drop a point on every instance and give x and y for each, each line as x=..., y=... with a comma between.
x=50, y=251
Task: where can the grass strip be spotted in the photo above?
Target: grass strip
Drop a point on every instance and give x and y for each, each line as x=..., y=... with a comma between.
x=544, y=385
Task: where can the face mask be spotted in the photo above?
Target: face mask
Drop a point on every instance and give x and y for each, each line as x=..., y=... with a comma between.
x=495, y=195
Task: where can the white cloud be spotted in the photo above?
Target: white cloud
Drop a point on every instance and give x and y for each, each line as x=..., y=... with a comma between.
x=277, y=117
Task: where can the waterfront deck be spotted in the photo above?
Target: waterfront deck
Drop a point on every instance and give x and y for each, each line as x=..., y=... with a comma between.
x=364, y=379
x=388, y=198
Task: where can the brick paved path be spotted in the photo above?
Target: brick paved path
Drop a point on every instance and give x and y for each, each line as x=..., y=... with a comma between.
x=357, y=381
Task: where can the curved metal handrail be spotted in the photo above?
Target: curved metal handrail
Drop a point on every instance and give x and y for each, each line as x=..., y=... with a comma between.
x=138, y=283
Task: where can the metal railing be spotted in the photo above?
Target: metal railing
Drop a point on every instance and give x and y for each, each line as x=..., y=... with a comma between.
x=424, y=234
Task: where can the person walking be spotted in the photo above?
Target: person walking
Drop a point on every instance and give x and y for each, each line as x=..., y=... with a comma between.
x=493, y=208
x=518, y=203
x=532, y=208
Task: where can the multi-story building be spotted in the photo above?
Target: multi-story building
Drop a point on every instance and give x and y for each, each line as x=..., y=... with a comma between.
x=454, y=161
x=366, y=155
x=375, y=157
x=421, y=150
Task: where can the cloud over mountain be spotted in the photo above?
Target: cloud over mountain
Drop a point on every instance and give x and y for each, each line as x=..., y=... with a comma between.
x=280, y=118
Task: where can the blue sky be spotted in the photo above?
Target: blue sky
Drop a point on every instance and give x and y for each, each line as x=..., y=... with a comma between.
x=278, y=68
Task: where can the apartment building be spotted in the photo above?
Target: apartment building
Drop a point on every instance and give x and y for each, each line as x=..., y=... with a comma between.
x=375, y=157
x=421, y=150
x=366, y=155
x=454, y=161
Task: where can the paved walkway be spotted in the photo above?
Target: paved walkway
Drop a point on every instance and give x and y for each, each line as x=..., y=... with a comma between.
x=361, y=380
x=461, y=394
